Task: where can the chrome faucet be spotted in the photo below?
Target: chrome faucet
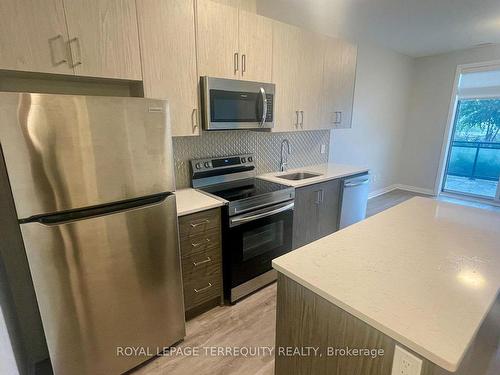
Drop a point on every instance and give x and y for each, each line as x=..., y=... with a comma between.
x=284, y=157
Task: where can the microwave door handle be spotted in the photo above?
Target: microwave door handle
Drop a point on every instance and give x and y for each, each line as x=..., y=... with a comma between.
x=246, y=219
x=264, y=106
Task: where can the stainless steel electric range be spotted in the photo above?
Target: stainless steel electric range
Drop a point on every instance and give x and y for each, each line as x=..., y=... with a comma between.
x=257, y=220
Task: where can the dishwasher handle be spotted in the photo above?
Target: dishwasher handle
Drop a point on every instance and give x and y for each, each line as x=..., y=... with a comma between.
x=356, y=183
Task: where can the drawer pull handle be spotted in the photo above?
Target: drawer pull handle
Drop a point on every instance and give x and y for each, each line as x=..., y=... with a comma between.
x=198, y=244
x=195, y=225
x=203, y=289
x=196, y=264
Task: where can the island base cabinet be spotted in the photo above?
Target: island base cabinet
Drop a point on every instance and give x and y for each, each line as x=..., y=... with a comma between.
x=306, y=320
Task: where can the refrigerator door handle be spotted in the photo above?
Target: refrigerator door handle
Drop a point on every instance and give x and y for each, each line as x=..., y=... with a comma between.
x=102, y=210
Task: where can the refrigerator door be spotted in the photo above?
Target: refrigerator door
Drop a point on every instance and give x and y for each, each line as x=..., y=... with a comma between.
x=64, y=152
x=105, y=283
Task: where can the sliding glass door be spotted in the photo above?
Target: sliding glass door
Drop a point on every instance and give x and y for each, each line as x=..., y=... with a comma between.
x=473, y=163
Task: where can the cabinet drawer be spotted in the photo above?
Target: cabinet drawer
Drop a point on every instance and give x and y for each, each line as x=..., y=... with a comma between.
x=199, y=223
x=195, y=244
x=202, y=290
x=201, y=264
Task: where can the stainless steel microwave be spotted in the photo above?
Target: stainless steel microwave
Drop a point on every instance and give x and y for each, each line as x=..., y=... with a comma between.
x=233, y=104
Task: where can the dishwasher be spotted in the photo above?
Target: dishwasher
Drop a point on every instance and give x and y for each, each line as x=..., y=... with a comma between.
x=354, y=200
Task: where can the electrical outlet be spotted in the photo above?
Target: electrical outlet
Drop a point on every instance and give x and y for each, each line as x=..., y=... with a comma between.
x=322, y=149
x=405, y=363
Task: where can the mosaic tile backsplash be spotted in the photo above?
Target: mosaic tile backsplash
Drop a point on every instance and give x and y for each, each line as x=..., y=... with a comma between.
x=305, y=149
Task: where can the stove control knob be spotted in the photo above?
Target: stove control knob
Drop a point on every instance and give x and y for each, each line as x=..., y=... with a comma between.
x=243, y=160
x=207, y=164
x=198, y=166
x=250, y=159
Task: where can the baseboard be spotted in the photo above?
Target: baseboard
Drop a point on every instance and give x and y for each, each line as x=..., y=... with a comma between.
x=390, y=188
x=385, y=190
x=415, y=189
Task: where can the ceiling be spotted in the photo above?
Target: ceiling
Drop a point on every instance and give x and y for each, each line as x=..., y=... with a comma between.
x=413, y=27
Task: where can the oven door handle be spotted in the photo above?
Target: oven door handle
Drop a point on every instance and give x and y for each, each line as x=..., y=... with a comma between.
x=264, y=106
x=245, y=219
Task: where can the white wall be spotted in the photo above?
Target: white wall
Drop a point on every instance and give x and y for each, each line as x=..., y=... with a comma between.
x=381, y=99
x=429, y=106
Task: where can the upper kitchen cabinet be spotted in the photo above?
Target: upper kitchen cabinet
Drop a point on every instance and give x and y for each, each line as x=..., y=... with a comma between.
x=217, y=40
x=33, y=36
x=298, y=74
x=339, y=81
x=285, y=71
x=233, y=43
x=103, y=38
x=310, y=80
x=169, y=61
x=255, y=47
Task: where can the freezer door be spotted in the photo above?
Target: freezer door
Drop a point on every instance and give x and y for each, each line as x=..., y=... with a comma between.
x=106, y=283
x=64, y=152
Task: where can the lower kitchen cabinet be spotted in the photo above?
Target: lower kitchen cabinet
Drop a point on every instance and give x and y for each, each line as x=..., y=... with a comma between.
x=201, y=253
x=316, y=212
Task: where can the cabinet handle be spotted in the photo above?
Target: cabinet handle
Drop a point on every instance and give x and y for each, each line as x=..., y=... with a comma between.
x=198, y=244
x=196, y=264
x=302, y=119
x=63, y=48
x=78, y=60
x=319, y=196
x=236, y=62
x=194, y=119
x=243, y=64
x=297, y=122
x=203, y=289
x=195, y=225
x=338, y=117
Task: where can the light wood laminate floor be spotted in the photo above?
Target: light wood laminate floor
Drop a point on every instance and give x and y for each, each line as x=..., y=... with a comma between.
x=249, y=323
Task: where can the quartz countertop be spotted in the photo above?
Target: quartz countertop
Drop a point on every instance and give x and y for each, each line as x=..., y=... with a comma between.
x=425, y=273
x=191, y=200
x=329, y=171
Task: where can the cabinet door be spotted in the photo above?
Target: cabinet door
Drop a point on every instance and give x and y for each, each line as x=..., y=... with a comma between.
x=169, y=61
x=104, y=39
x=316, y=212
x=329, y=207
x=306, y=215
x=255, y=47
x=340, y=76
x=217, y=40
x=33, y=36
x=311, y=80
x=286, y=52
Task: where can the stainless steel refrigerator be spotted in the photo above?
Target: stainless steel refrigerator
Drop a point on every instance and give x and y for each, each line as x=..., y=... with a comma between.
x=92, y=181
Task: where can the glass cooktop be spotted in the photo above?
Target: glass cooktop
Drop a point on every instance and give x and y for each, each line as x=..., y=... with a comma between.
x=251, y=188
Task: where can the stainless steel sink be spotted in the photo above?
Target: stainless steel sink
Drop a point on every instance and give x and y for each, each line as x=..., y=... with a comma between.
x=299, y=176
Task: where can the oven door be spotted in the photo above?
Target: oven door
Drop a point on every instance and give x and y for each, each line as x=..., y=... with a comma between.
x=256, y=238
x=232, y=104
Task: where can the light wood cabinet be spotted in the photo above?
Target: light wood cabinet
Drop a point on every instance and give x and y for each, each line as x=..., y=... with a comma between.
x=233, y=43
x=96, y=38
x=285, y=72
x=33, y=36
x=339, y=81
x=169, y=61
x=217, y=40
x=255, y=47
x=310, y=80
x=298, y=74
x=104, y=40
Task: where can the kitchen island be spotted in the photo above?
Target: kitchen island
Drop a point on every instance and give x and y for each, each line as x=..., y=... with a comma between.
x=423, y=275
